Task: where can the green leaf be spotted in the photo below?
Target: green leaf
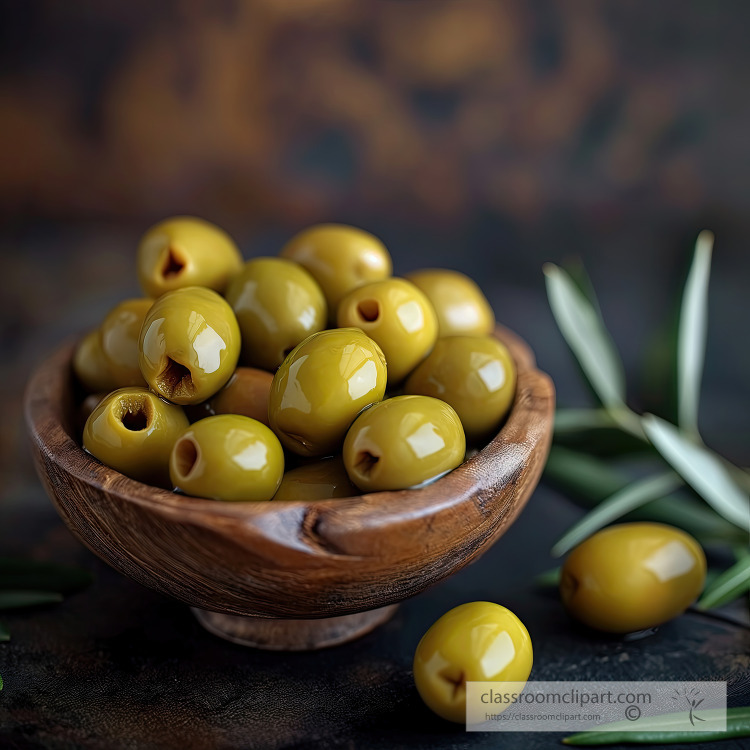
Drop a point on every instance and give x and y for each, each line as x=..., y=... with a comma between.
x=587, y=337
x=576, y=420
x=588, y=480
x=4, y=633
x=1, y=682
x=666, y=729
x=35, y=575
x=547, y=579
x=728, y=586
x=702, y=469
x=691, y=337
x=21, y=599
x=617, y=505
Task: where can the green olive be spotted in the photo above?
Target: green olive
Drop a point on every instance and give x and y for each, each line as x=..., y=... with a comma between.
x=90, y=365
x=120, y=332
x=474, y=374
x=133, y=431
x=398, y=316
x=278, y=304
x=632, y=576
x=186, y=251
x=247, y=393
x=190, y=344
x=460, y=305
x=340, y=258
x=318, y=480
x=474, y=642
x=402, y=442
x=321, y=387
x=227, y=457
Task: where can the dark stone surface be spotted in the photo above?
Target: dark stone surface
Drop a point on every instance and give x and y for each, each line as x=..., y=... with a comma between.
x=118, y=666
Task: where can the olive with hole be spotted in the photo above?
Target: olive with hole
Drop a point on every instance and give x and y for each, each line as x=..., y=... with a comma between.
x=189, y=345
x=632, y=576
x=186, y=251
x=318, y=480
x=403, y=442
x=132, y=430
x=476, y=375
x=460, y=305
x=398, y=316
x=227, y=457
x=321, y=387
x=278, y=304
x=340, y=258
x=90, y=365
x=474, y=642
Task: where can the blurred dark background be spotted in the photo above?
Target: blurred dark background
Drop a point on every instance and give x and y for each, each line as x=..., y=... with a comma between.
x=485, y=136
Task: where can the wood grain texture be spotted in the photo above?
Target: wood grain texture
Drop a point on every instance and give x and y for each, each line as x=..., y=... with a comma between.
x=292, y=559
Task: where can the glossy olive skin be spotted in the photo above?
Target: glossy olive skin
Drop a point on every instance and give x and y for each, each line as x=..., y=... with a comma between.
x=474, y=374
x=189, y=345
x=321, y=387
x=120, y=331
x=402, y=442
x=398, y=316
x=186, y=251
x=340, y=258
x=227, y=457
x=91, y=366
x=477, y=641
x=247, y=393
x=632, y=576
x=318, y=480
x=278, y=304
x=132, y=430
x=461, y=307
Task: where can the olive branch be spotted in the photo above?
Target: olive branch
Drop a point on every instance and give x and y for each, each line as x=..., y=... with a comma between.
x=686, y=483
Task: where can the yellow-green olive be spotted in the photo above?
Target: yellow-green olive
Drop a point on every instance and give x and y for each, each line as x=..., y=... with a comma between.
x=340, y=258
x=227, y=457
x=132, y=430
x=318, y=480
x=247, y=393
x=186, y=251
x=402, y=442
x=398, y=316
x=460, y=305
x=474, y=374
x=120, y=332
x=90, y=365
x=632, y=576
x=189, y=345
x=278, y=304
x=321, y=387
x=478, y=641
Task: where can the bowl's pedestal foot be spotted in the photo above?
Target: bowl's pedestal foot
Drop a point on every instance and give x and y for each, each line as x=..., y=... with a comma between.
x=292, y=635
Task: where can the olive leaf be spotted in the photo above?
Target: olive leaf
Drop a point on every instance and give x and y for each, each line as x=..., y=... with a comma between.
x=4, y=634
x=702, y=469
x=726, y=587
x=586, y=335
x=34, y=575
x=548, y=578
x=691, y=337
x=576, y=420
x=19, y=599
x=667, y=729
x=589, y=480
x=617, y=505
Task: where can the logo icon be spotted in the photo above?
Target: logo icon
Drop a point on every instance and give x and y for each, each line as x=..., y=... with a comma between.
x=690, y=697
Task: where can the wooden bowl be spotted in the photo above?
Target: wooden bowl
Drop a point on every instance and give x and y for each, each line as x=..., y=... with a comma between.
x=345, y=560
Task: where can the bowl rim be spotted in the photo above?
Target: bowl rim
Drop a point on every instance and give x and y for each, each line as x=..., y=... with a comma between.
x=48, y=426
